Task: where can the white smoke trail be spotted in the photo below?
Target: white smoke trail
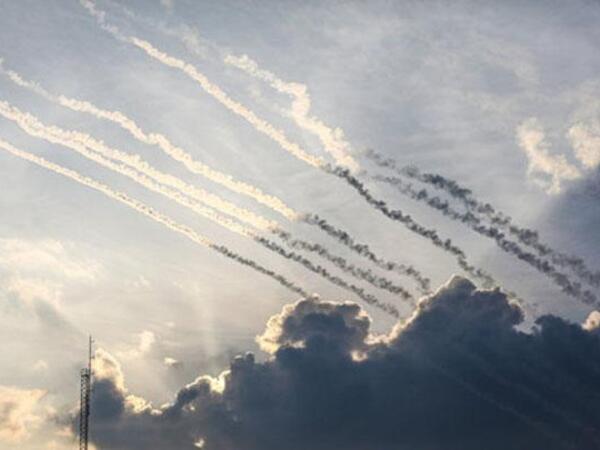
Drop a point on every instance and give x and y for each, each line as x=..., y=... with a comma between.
x=34, y=128
x=160, y=141
x=210, y=88
x=332, y=138
x=149, y=212
x=82, y=143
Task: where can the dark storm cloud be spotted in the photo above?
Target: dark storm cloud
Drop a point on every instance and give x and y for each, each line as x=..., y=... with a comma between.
x=457, y=375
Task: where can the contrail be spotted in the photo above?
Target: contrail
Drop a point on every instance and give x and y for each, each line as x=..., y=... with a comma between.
x=276, y=135
x=159, y=140
x=55, y=135
x=525, y=236
x=472, y=221
x=332, y=139
x=224, y=179
x=152, y=214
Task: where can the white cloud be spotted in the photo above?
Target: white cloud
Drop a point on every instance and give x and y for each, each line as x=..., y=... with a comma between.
x=19, y=412
x=106, y=367
x=592, y=322
x=145, y=342
x=42, y=270
x=30, y=289
x=548, y=170
x=47, y=257
x=585, y=139
x=172, y=363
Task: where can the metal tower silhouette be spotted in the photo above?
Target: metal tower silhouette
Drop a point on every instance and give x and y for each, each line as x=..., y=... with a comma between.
x=84, y=401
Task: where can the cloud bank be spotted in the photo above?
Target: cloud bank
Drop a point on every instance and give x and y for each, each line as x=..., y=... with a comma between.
x=456, y=375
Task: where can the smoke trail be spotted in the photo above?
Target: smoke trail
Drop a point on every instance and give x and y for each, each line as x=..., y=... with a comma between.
x=525, y=236
x=259, y=124
x=210, y=88
x=368, y=298
x=411, y=224
x=299, y=113
x=224, y=179
x=363, y=250
x=340, y=262
x=82, y=142
x=279, y=137
x=158, y=140
x=332, y=139
x=569, y=287
x=61, y=137
x=152, y=214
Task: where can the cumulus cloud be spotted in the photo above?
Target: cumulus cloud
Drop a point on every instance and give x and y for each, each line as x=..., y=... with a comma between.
x=585, y=139
x=547, y=169
x=19, y=412
x=456, y=375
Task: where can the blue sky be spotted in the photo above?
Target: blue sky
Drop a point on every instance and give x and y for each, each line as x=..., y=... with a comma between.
x=502, y=98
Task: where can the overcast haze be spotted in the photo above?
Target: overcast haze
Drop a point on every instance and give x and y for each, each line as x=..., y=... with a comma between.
x=287, y=100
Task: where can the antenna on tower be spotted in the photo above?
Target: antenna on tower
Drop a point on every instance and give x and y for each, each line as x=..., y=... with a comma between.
x=84, y=401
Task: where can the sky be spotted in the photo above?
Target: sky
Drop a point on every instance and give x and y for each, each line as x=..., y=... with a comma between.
x=354, y=205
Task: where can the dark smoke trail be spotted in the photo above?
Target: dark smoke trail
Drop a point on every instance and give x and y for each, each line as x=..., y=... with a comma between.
x=366, y=297
x=411, y=224
x=344, y=238
x=338, y=261
x=571, y=288
x=525, y=236
x=248, y=262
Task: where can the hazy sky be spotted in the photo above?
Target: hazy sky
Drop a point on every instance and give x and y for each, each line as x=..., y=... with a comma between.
x=502, y=97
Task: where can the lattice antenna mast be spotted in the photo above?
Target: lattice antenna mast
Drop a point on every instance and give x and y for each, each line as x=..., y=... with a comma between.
x=84, y=401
